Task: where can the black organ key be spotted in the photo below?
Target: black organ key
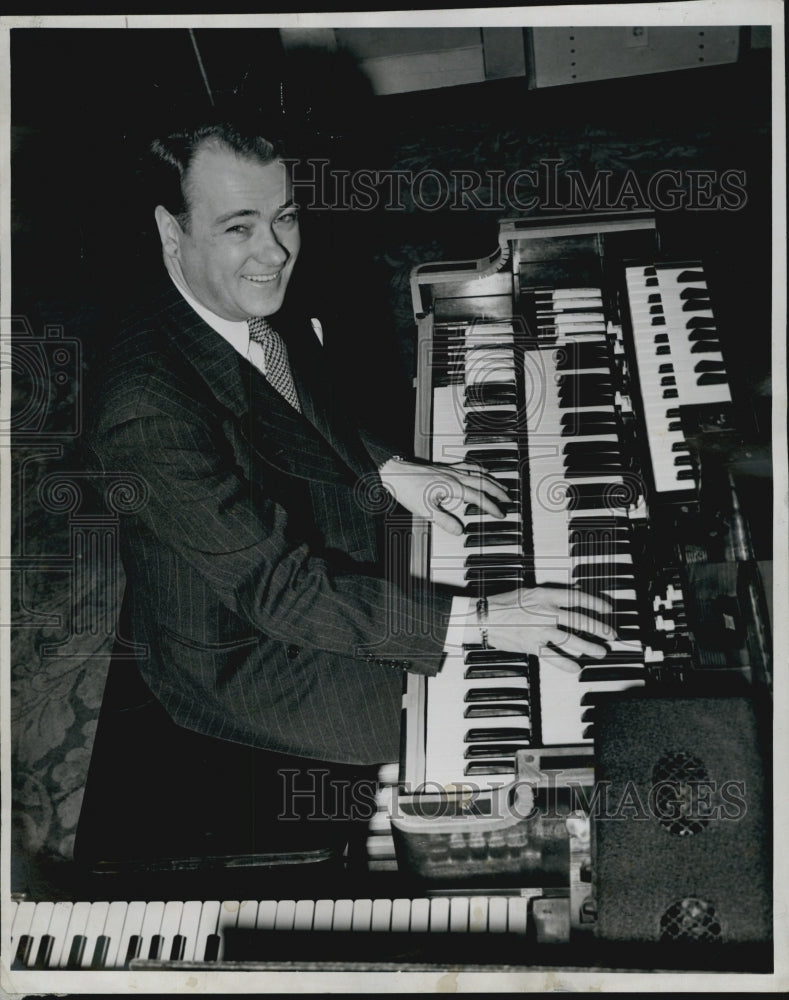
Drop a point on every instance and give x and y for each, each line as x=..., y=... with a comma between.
x=494, y=749
x=497, y=694
x=489, y=767
x=490, y=735
x=712, y=378
x=481, y=539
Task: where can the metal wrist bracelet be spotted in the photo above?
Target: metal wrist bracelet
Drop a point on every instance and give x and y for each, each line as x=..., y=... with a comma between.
x=482, y=621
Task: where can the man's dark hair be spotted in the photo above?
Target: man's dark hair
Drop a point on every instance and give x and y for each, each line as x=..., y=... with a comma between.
x=172, y=157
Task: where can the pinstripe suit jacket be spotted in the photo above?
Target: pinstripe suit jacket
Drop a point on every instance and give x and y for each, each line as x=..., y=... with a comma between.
x=252, y=567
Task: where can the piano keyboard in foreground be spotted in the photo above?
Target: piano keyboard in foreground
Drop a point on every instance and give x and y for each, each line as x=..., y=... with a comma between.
x=112, y=935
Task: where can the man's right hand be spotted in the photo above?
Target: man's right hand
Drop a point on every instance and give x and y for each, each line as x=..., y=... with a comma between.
x=527, y=620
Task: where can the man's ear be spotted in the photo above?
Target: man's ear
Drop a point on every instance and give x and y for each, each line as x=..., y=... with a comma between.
x=170, y=231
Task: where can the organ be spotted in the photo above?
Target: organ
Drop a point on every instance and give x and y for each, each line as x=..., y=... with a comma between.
x=588, y=374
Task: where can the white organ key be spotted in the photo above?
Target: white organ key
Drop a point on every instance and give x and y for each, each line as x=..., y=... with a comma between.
x=189, y=928
x=132, y=926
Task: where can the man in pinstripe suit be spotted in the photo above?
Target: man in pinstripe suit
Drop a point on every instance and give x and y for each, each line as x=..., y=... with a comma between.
x=253, y=571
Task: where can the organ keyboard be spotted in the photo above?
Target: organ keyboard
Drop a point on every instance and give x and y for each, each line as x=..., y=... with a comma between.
x=563, y=365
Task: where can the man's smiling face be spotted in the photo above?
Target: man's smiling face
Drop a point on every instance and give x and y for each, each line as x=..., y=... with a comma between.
x=242, y=238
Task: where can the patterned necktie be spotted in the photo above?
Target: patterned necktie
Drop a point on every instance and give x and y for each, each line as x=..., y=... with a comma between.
x=276, y=357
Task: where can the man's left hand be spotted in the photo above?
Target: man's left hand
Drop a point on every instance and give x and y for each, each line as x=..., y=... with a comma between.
x=442, y=492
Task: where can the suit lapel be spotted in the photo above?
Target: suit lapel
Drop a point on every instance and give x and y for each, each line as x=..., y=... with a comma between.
x=274, y=430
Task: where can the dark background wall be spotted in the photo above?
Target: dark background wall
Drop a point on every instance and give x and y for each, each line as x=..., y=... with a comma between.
x=84, y=103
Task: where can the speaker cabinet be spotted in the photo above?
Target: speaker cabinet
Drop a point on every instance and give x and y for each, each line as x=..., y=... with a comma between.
x=680, y=838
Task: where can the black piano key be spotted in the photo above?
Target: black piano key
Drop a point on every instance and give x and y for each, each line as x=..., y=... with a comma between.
x=76, y=951
x=586, y=496
x=700, y=322
x=706, y=347
x=686, y=474
x=24, y=949
x=494, y=749
x=584, y=429
x=712, y=378
x=99, y=960
x=587, y=715
x=578, y=523
x=211, y=948
x=484, y=561
x=133, y=949
x=705, y=365
x=178, y=948
x=601, y=549
x=666, y=368
x=591, y=448
x=490, y=735
x=670, y=394
x=662, y=350
x=675, y=425
x=683, y=460
x=44, y=953
x=697, y=305
x=483, y=578
x=658, y=321
x=588, y=733
x=156, y=947
x=702, y=333
x=661, y=338
x=668, y=380
x=699, y=292
x=656, y=309
x=689, y=275
x=495, y=710
x=497, y=694
x=679, y=446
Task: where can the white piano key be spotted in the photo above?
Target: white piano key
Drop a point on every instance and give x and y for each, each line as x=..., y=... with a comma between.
x=362, y=915
x=439, y=914
x=381, y=918
x=459, y=914
x=152, y=921
x=343, y=915
x=401, y=914
x=247, y=913
x=209, y=918
x=498, y=914
x=228, y=920
x=304, y=915
x=189, y=928
x=94, y=926
x=171, y=922
x=478, y=914
x=23, y=918
x=324, y=915
x=75, y=930
x=58, y=926
x=267, y=915
x=420, y=916
x=112, y=931
x=286, y=913
x=38, y=928
x=132, y=926
x=518, y=915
